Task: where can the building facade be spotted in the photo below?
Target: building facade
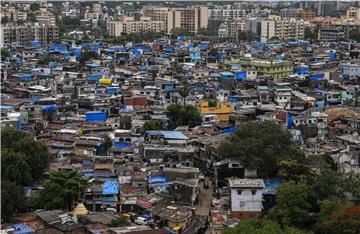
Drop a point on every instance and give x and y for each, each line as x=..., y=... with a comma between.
x=190, y=18
x=227, y=12
x=130, y=25
x=284, y=29
x=24, y=34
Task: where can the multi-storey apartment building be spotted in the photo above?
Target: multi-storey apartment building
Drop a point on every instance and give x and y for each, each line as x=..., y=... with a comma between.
x=24, y=34
x=164, y=14
x=353, y=13
x=43, y=16
x=282, y=28
x=226, y=12
x=307, y=14
x=231, y=28
x=290, y=12
x=130, y=25
x=190, y=18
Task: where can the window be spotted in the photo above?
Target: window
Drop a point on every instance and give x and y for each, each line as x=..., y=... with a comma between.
x=239, y=191
x=253, y=192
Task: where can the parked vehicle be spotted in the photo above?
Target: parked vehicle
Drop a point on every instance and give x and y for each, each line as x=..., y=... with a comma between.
x=143, y=220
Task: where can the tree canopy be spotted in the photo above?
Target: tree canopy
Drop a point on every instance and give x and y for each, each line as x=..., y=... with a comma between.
x=87, y=55
x=23, y=161
x=184, y=92
x=293, y=204
x=180, y=115
x=11, y=199
x=119, y=221
x=354, y=35
x=310, y=34
x=135, y=37
x=260, y=226
x=32, y=155
x=62, y=189
x=247, y=35
x=261, y=146
x=155, y=124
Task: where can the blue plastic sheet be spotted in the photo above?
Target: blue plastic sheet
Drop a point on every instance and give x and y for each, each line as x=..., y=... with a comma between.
x=289, y=121
x=49, y=108
x=122, y=145
x=20, y=228
x=156, y=179
x=319, y=76
x=36, y=43
x=241, y=75
x=95, y=116
x=110, y=187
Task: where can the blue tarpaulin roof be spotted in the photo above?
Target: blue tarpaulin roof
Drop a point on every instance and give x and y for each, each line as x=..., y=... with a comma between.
x=25, y=77
x=241, y=75
x=156, y=179
x=112, y=90
x=95, y=116
x=227, y=74
x=92, y=65
x=174, y=135
x=154, y=185
x=110, y=187
x=36, y=43
x=181, y=38
x=95, y=76
x=319, y=76
x=272, y=185
x=21, y=228
x=49, y=108
x=5, y=107
x=229, y=130
x=122, y=145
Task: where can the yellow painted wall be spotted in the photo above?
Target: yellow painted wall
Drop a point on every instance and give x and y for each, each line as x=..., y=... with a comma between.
x=222, y=111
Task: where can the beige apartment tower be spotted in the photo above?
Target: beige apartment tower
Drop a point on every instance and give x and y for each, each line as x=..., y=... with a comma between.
x=190, y=18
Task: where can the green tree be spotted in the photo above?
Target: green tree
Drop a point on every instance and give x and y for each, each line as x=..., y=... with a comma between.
x=35, y=6
x=207, y=32
x=32, y=18
x=11, y=199
x=35, y=153
x=213, y=52
x=247, y=35
x=68, y=23
x=261, y=146
x=49, y=59
x=184, y=92
x=260, y=226
x=156, y=124
x=180, y=115
x=328, y=184
x=310, y=33
x=4, y=20
x=107, y=143
x=354, y=35
x=88, y=55
x=292, y=170
x=15, y=168
x=119, y=221
x=5, y=53
x=62, y=189
x=180, y=32
x=327, y=209
x=293, y=204
x=212, y=103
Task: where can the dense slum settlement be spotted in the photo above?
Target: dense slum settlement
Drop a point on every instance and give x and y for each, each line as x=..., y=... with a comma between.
x=92, y=115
